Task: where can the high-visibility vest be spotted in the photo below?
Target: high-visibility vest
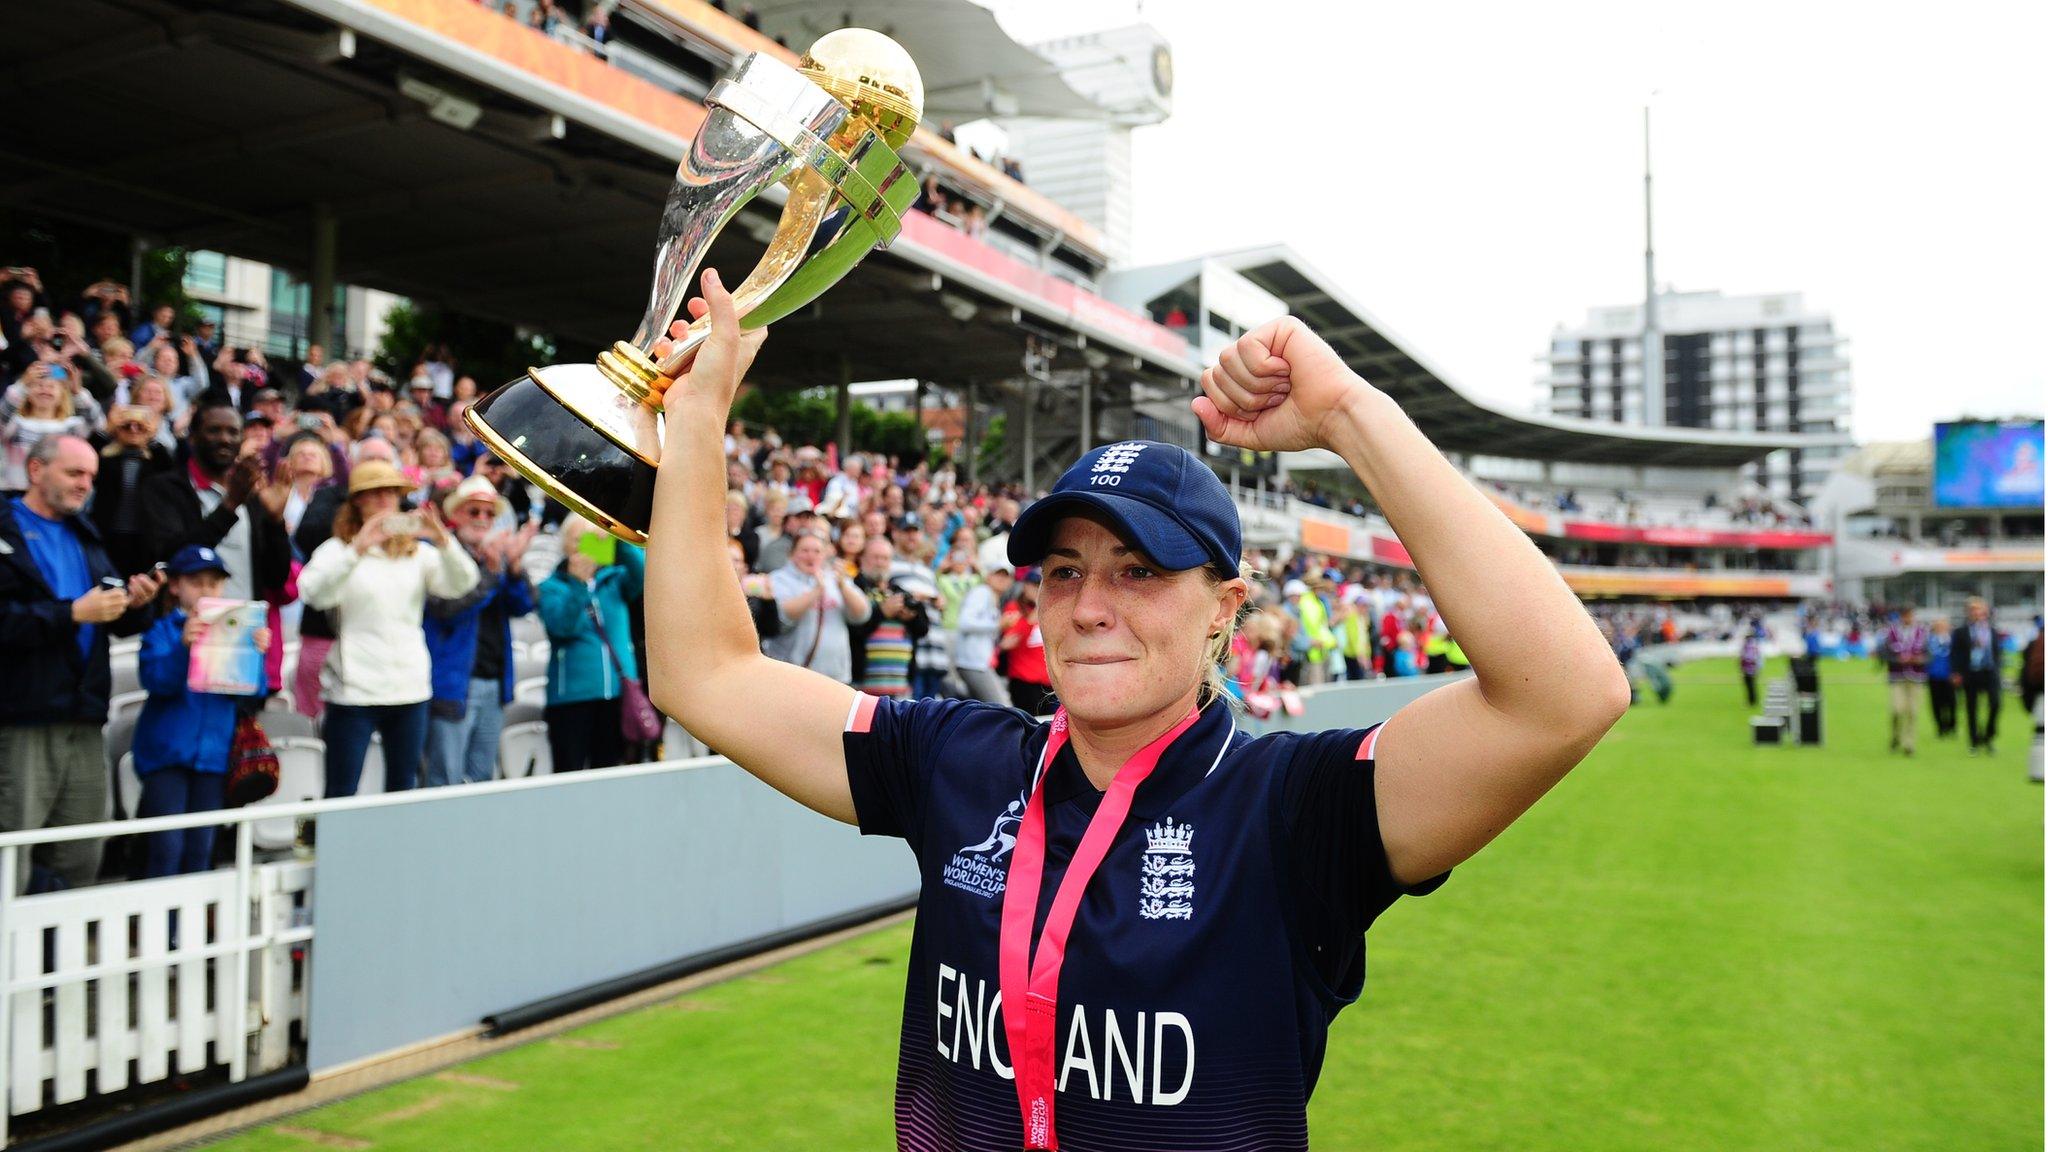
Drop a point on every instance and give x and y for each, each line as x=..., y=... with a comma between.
x=1315, y=625
x=1357, y=638
x=1456, y=656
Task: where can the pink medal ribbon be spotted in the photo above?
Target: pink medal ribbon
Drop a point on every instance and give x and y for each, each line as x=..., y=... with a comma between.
x=1030, y=985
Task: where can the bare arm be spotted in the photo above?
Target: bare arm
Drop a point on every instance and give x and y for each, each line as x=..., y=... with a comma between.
x=705, y=666
x=1456, y=767
x=853, y=603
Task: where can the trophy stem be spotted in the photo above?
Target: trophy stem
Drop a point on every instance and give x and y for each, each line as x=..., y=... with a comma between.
x=632, y=370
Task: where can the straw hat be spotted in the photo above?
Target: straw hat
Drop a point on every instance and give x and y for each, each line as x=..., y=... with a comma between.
x=475, y=488
x=371, y=475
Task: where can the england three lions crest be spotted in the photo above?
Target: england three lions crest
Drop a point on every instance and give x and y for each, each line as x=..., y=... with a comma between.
x=1166, y=884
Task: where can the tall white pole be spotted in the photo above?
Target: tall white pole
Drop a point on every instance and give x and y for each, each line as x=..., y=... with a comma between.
x=1653, y=341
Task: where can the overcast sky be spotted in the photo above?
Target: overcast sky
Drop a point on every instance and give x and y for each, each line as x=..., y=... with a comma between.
x=1472, y=174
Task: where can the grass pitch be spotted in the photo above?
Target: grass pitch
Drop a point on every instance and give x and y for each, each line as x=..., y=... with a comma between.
x=1690, y=944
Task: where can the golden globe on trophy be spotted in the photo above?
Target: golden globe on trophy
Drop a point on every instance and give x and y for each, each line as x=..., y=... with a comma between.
x=828, y=131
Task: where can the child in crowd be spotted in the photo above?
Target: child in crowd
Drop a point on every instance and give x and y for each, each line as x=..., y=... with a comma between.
x=182, y=737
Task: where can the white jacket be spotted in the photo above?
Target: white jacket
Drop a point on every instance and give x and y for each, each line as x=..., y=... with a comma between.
x=380, y=648
x=980, y=623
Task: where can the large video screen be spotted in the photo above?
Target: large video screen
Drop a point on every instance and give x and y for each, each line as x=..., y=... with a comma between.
x=1986, y=464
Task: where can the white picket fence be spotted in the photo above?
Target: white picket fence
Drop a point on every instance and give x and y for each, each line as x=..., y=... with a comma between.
x=102, y=989
x=127, y=984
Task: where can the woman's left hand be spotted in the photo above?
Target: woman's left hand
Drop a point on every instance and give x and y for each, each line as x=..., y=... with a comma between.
x=435, y=529
x=1276, y=390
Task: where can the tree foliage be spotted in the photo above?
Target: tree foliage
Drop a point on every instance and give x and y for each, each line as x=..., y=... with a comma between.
x=812, y=417
x=490, y=350
x=69, y=256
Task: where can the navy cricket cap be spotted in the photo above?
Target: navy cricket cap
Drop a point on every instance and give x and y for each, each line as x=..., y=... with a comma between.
x=195, y=558
x=1160, y=498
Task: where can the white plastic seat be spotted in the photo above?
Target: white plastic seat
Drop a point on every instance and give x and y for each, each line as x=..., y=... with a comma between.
x=128, y=784
x=371, y=782
x=301, y=775
x=523, y=751
x=127, y=705
x=533, y=690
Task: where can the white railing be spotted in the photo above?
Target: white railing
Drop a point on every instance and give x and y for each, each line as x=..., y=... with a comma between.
x=108, y=977
x=115, y=985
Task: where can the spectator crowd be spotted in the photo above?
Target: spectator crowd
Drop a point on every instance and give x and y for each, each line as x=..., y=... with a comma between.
x=152, y=470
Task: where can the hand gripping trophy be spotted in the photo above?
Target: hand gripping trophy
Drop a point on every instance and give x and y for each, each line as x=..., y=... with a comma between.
x=828, y=130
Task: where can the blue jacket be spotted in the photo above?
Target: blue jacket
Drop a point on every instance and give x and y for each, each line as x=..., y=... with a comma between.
x=1938, y=647
x=44, y=679
x=451, y=635
x=179, y=728
x=578, y=669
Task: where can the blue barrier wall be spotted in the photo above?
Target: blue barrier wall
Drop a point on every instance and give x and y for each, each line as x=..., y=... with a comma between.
x=430, y=916
x=1353, y=704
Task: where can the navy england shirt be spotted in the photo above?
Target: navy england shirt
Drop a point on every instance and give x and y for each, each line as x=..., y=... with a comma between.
x=1218, y=940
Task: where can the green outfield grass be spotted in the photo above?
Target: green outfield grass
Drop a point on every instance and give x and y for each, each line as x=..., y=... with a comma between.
x=1691, y=944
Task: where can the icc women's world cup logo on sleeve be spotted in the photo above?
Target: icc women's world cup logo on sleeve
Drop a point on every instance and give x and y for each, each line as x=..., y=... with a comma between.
x=1166, y=881
x=983, y=868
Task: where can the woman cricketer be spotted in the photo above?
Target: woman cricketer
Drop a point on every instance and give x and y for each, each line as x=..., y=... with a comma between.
x=1137, y=921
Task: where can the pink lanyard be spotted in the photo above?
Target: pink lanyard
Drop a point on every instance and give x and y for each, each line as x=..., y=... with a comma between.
x=1034, y=984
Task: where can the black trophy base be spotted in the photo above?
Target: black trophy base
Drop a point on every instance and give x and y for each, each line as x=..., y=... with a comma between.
x=571, y=461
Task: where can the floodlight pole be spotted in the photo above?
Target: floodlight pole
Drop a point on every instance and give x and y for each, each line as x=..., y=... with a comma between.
x=1653, y=342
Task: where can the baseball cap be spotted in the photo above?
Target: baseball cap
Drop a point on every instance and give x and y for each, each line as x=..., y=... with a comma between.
x=195, y=558
x=1293, y=588
x=1159, y=497
x=799, y=505
x=911, y=522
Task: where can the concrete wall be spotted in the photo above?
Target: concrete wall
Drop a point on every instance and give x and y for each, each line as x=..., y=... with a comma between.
x=430, y=916
x=1354, y=704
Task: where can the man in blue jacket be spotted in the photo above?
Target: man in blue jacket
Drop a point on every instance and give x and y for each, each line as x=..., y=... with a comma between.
x=470, y=640
x=60, y=597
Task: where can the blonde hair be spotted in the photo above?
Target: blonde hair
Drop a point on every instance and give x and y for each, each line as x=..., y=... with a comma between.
x=432, y=438
x=348, y=521
x=1215, y=681
x=65, y=408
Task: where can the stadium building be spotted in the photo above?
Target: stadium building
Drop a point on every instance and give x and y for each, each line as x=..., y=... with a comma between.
x=1916, y=525
x=1766, y=363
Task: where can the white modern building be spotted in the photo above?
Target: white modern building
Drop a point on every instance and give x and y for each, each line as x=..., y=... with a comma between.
x=1894, y=545
x=260, y=305
x=1765, y=363
x=1084, y=161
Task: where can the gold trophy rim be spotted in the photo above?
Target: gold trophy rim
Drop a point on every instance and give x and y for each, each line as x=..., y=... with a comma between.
x=550, y=486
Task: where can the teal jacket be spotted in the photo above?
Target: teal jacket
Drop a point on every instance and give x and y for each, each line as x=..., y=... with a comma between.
x=578, y=669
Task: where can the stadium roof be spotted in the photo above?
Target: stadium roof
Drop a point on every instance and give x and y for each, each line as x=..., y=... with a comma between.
x=539, y=209
x=1456, y=419
x=971, y=67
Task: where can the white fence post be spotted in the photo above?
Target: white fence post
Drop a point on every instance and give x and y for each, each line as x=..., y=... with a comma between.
x=9, y=865
x=238, y=983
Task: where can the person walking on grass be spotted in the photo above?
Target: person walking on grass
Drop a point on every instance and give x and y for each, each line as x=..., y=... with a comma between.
x=1904, y=651
x=1973, y=667
x=1941, y=688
